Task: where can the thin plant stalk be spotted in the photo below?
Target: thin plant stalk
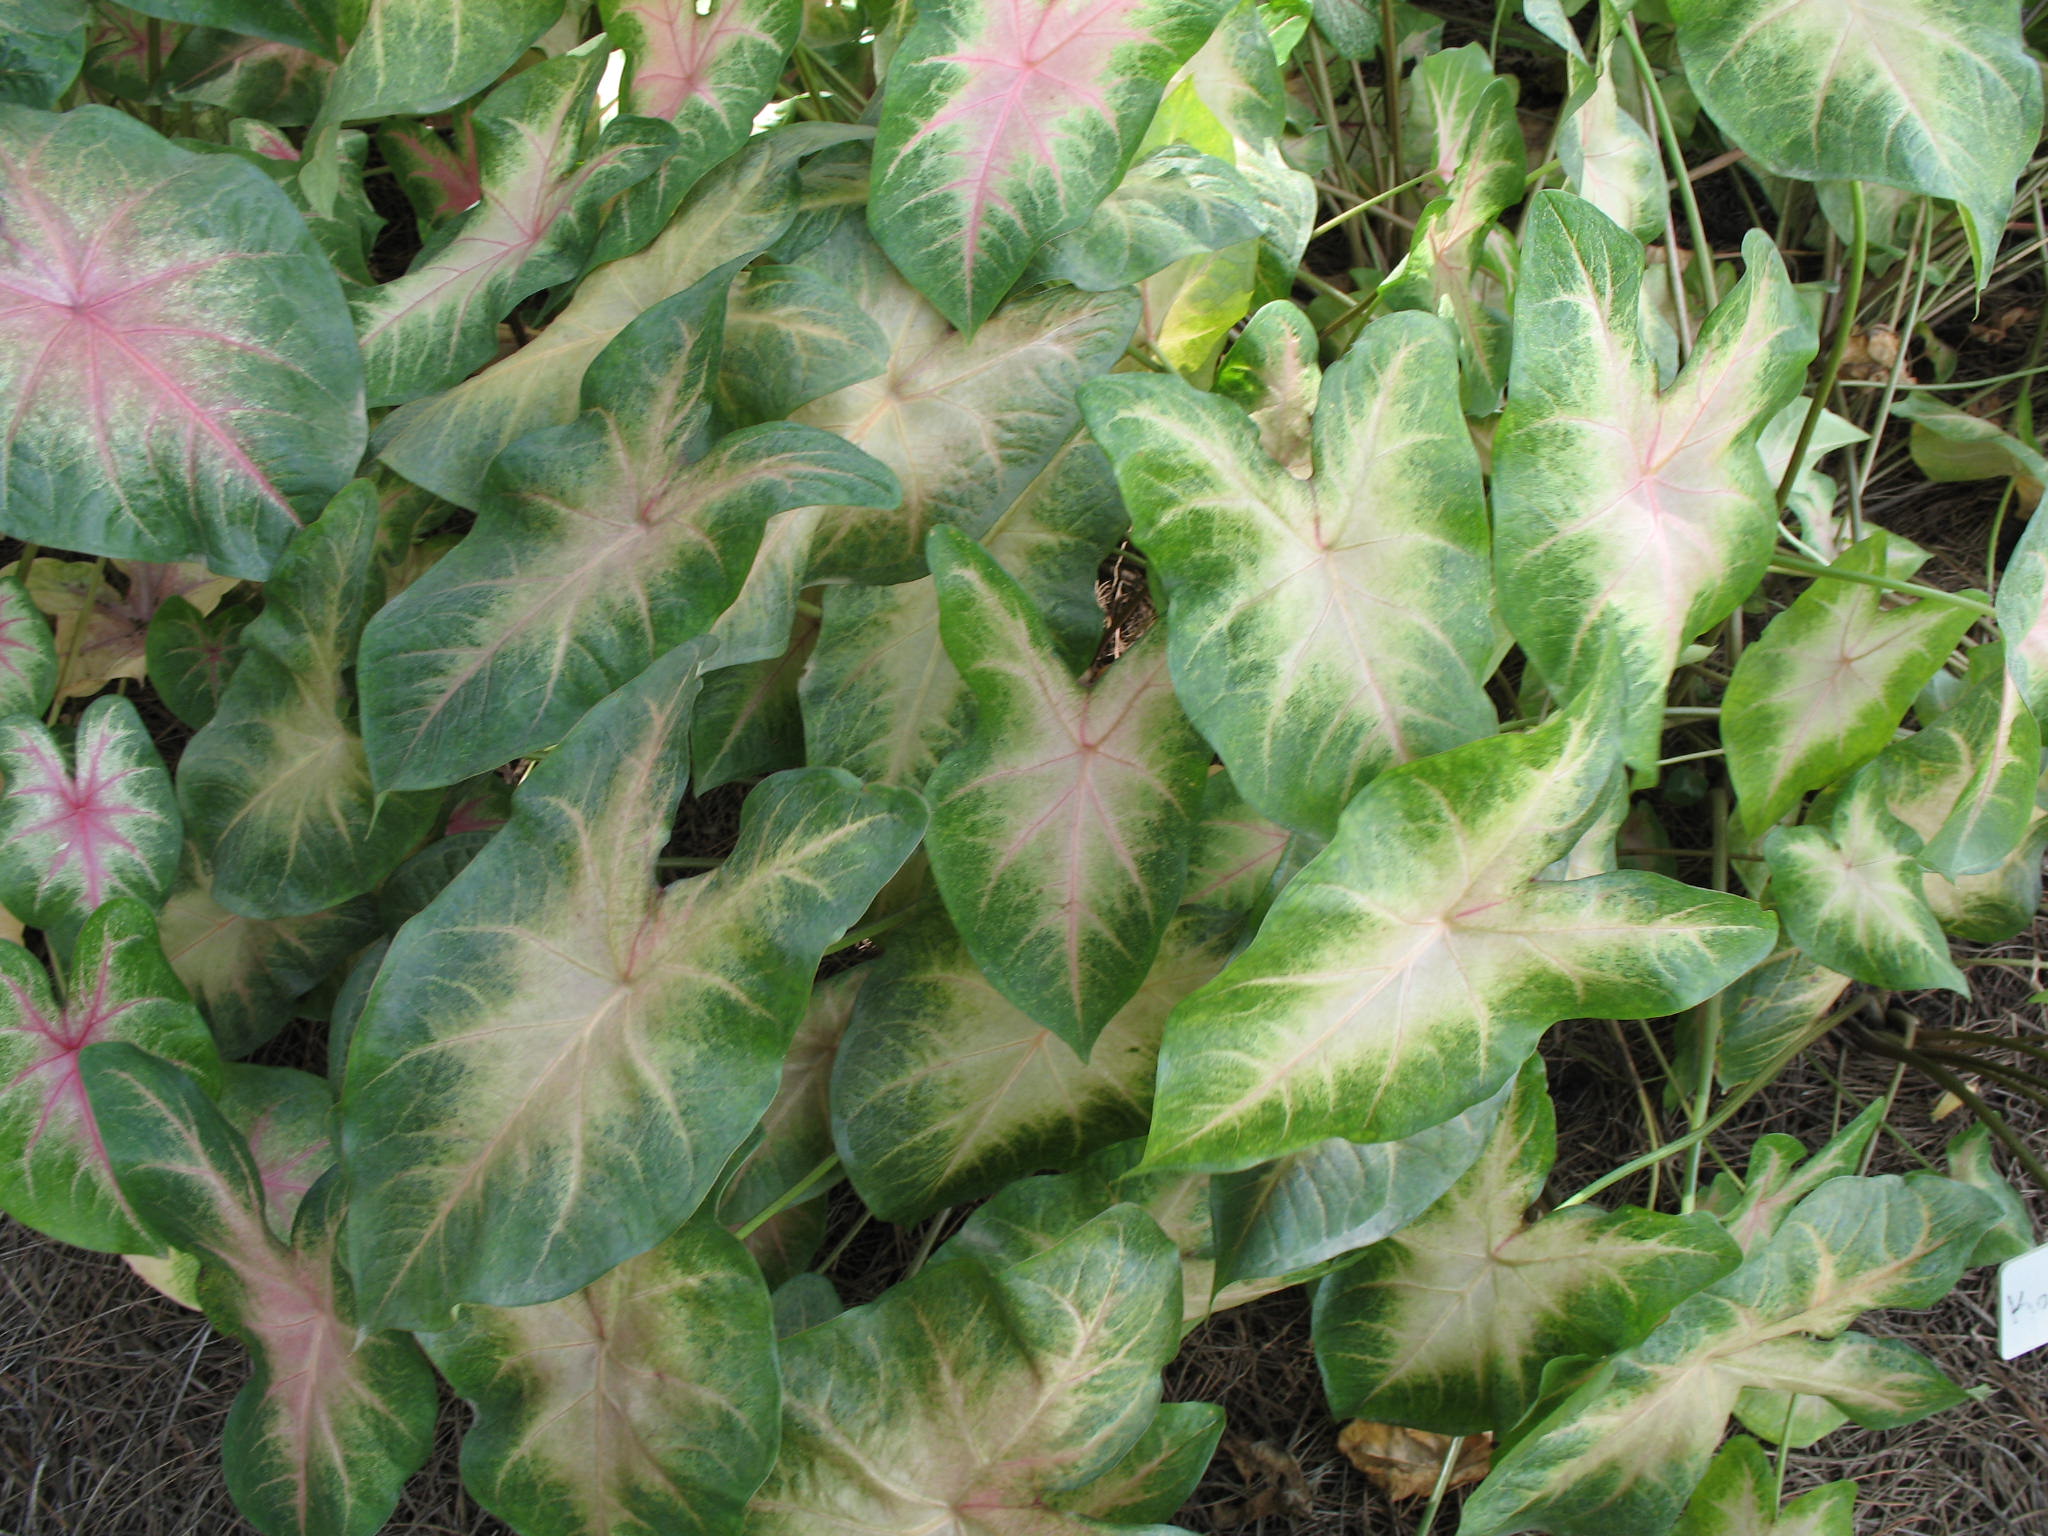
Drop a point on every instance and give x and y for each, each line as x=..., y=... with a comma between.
x=1845, y=325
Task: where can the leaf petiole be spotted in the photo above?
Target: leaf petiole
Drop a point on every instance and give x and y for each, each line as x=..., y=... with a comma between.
x=1785, y=565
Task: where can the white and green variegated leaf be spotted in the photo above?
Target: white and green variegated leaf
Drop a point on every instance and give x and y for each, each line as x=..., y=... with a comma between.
x=547, y=170
x=883, y=700
x=249, y=77
x=1624, y=1451
x=1850, y=894
x=1949, y=444
x=1739, y=1497
x=707, y=70
x=1624, y=515
x=1327, y=627
x=1410, y=968
x=1935, y=96
x=1821, y=690
x=967, y=1400
x=1970, y=1162
x=944, y=1091
x=1781, y=1173
x=246, y=972
x=334, y=1419
x=182, y=380
x=1236, y=851
x=445, y=442
x=646, y=1404
x=276, y=786
x=559, y=1056
x=1448, y=1324
x=791, y=336
x=1175, y=202
x=439, y=175
x=1292, y=1218
x=966, y=422
x=1272, y=371
x=28, y=652
x=84, y=826
x=748, y=722
x=1610, y=158
x=286, y=1117
x=795, y=1134
x=600, y=545
x=1158, y=1474
x=42, y=46
x=1061, y=824
x=54, y=1172
x=2023, y=615
x=1006, y=122
x=1766, y=1011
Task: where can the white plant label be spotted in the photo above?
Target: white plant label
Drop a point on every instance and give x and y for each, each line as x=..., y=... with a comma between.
x=2023, y=1303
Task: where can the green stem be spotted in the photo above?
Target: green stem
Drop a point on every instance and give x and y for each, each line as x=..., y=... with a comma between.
x=879, y=926
x=1891, y=1097
x=1845, y=324
x=1691, y=757
x=1443, y=1473
x=684, y=861
x=1362, y=307
x=1785, y=565
x=1710, y=1025
x=1992, y=1120
x=1371, y=202
x=1667, y=131
x=1991, y=544
x=796, y=1194
x=1390, y=89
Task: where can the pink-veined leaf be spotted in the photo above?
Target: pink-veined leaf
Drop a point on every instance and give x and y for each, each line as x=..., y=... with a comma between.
x=334, y=1419
x=601, y=545
x=1061, y=824
x=41, y=49
x=54, y=1173
x=558, y=1057
x=547, y=170
x=707, y=67
x=191, y=655
x=286, y=1117
x=312, y=24
x=115, y=618
x=441, y=177
x=79, y=828
x=276, y=83
x=1005, y=122
x=28, y=653
x=182, y=377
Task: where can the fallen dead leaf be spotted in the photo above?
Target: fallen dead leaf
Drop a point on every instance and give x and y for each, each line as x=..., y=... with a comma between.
x=1403, y=1463
x=1275, y=1479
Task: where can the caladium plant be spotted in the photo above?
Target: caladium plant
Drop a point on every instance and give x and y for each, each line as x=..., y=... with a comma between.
x=751, y=619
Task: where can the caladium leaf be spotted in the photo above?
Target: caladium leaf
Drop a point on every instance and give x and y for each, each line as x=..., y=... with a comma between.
x=250, y=77
x=446, y=442
x=1005, y=122
x=1781, y=1174
x=943, y=1091
x=1448, y=1324
x=1621, y=513
x=1002, y=1391
x=966, y=422
x=1159, y=1473
x=547, y=171
x=748, y=722
x=1739, y=1497
x=1935, y=96
x=600, y=545
x=412, y=57
x=1060, y=826
x=81, y=827
x=1970, y=1162
x=645, y=1403
x=191, y=655
x=440, y=177
x=185, y=381
x=1410, y=968
x=54, y=1172
x=28, y=654
x=1328, y=627
x=1821, y=690
x=286, y=1117
x=1290, y=1219
x=102, y=630
x=706, y=69
x=1610, y=158
x=1764, y=1012
x=333, y=1421
x=792, y=335
x=1235, y=853
x=2023, y=616
x=42, y=45
x=276, y=787
x=883, y=700
x=245, y=972
x=1850, y=895
x=596, y=1048
x=1175, y=202
x=1626, y=1449
x=312, y=24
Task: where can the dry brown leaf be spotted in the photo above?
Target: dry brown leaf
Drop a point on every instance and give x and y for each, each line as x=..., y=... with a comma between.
x=1403, y=1463
x=1871, y=354
x=1274, y=1478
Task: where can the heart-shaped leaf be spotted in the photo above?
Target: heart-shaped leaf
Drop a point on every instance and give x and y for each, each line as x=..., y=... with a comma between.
x=1174, y=202
x=1621, y=513
x=28, y=654
x=1781, y=1174
x=334, y=1420
x=41, y=50
x=599, y=546
x=285, y=1116
x=791, y=336
x=412, y=57
x=1159, y=1473
x=547, y=171
x=276, y=788
x=54, y=1172
x=1448, y=1324
x=748, y=722
x=1002, y=1390
x=558, y=1056
x=1821, y=690
x=441, y=177
x=1625, y=1450
x=1739, y=1497
x=1060, y=826
x=645, y=1403
x=1935, y=96
x=1005, y=122
x=191, y=655
x=185, y=382
x=1410, y=968
x=82, y=827
x=249, y=77
x=1324, y=626
x=1765, y=1011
